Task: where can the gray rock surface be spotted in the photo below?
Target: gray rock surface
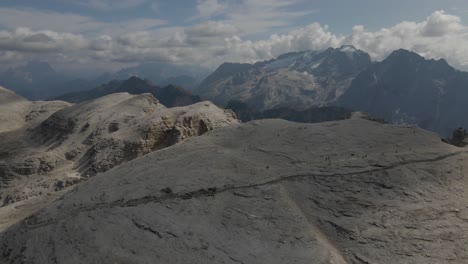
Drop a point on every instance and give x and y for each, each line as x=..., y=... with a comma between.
x=353, y=191
x=46, y=156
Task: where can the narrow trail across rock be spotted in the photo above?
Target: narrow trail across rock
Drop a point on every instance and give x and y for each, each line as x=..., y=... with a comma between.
x=212, y=191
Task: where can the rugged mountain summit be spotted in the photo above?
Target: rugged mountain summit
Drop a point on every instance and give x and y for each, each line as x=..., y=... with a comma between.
x=17, y=112
x=271, y=191
x=85, y=139
x=34, y=80
x=161, y=74
x=296, y=80
x=406, y=88
x=170, y=95
x=38, y=80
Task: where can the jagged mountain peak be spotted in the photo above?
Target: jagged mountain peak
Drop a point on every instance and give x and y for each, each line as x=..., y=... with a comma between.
x=135, y=81
x=406, y=88
x=412, y=64
x=297, y=79
x=403, y=54
x=348, y=48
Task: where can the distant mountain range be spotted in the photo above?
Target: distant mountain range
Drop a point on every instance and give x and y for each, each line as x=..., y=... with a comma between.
x=299, y=80
x=161, y=74
x=405, y=88
x=169, y=96
x=35, y=80
x=39, y=81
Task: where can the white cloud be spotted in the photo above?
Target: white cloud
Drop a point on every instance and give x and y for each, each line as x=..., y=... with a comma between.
x=312, y=37
x=27, y=40
x=109, y=5
x=66, y=22
x=210, y=43
x=440, y=23
x=440, y=35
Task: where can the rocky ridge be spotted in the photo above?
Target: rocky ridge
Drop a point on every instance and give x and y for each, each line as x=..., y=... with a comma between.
x=85, y=139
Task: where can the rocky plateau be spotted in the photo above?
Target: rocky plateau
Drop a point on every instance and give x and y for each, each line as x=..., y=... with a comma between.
x=271, y=191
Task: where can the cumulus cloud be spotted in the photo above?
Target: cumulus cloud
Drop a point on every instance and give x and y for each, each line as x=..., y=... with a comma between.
x=312, y=37
x=440, y=35
x=210, y=42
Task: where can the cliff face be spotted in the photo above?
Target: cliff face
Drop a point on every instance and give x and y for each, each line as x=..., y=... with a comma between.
x=272, y=191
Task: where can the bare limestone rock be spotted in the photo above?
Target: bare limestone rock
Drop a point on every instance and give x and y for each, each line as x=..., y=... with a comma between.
x=16, y=112
x=272, y=191
x=85, y=139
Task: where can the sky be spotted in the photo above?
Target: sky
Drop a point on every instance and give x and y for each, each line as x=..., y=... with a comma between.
x=106, y=35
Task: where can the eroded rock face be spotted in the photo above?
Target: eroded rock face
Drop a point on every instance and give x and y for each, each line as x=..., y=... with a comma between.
x=83, y=140
x=354, y=191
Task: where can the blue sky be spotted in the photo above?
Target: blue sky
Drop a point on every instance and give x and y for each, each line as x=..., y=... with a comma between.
x=109, y=34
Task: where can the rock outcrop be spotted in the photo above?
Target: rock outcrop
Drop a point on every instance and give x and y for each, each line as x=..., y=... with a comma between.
x=353, y=191
x=85, y=139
